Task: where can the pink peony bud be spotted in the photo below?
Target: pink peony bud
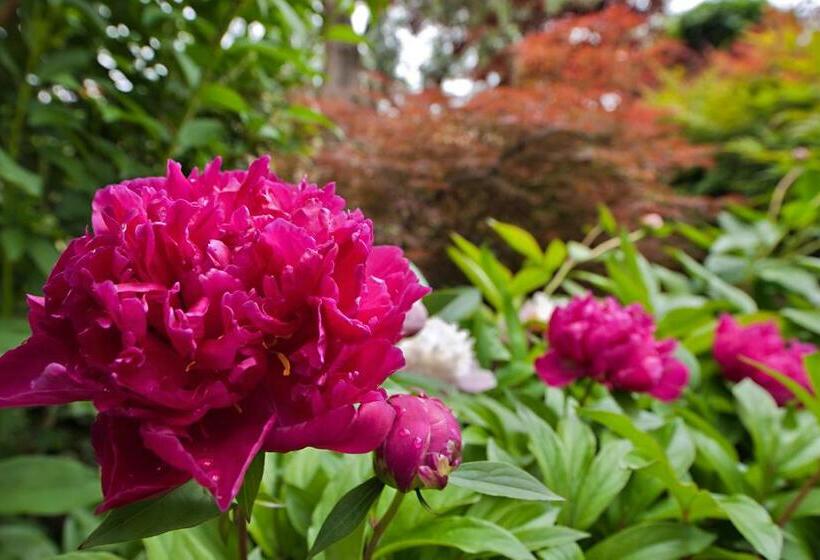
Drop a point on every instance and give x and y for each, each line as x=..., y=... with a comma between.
x=423, y=446
x=613, y=344
x=762, y=343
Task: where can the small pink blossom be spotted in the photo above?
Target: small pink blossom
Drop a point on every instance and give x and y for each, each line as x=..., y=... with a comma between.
x=762, y=343
x=612, y=344
x=423, y=446
x=211, y=317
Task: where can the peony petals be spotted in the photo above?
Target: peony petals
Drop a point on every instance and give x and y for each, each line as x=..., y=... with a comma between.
x=219, y=449
x=34, y=374
x=130, y=472
x=553, y=372
x=346, y=429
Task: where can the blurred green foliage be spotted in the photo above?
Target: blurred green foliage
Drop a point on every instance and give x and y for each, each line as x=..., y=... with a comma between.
x=759, y=105
x=716, y=23
x=95, y=92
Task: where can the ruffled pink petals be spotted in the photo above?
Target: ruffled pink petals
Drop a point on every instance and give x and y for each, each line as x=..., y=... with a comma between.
x=347, y=429
x=612, y=344
x=219, y=449
x=196, y=295
x=129, y=471
x=554, y=373
x=760, y=342
x=34, y=374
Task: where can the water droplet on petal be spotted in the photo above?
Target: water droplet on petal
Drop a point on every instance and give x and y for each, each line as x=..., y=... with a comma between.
x=404, y=432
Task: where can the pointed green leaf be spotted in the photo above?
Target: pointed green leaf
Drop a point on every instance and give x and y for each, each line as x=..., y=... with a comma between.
x=470, y=535
x=185, y=506
x=501, y=479
x=652, y=541
x=519, y=239
x=347, y=514
x=754, y=523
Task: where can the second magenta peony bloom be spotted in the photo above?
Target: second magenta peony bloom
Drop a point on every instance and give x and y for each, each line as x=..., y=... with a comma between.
x=762, y=343
x=423, y=446
x=613, y=344
x=211, y=317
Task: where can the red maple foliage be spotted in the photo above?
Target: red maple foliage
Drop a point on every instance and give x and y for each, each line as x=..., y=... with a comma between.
x=570, y=131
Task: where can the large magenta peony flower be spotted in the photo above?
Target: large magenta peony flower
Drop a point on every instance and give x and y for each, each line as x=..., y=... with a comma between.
x=762, y=343
x=423, y=446
x=612, y=344
x=211, y=317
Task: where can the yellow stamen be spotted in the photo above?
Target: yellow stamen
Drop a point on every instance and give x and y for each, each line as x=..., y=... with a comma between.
x=285, y=363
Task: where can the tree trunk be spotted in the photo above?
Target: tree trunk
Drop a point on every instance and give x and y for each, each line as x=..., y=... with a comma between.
x=342, y=64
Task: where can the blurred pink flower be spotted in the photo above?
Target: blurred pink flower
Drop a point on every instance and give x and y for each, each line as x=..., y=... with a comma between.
x=613, y=344
x=762, y=343
x=423, y=446
x=211, y=317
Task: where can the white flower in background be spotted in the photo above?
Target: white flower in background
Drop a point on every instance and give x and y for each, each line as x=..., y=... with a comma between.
x=538, y=309
x=445, y=352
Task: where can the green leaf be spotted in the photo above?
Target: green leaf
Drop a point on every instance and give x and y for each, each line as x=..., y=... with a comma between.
x=555, y=255
x=715, y=286
x=548, y=451
x=528, y=279
x=185, y=506
x=519, y=239
x=812, y=363
x=465, y=303
x=41, y=485
x=760, y=415
x=342, y=33
x=220, y=96
x=754, y=523
x=607, y=220
x=197, y=133
x=805, y=397
x=308, y=116
x=477, y=276
x=87, y=555
x=541, y=533
x=290, y=17
x=25, y=542
x=606, y=477
x=648, y=448
x=565, y=552
x=470, y=535
x=202, y=542
x=43, y=253
x=808, y=319
x=652, y=541
x=716, y=457
x=501, y=479
x=28, y=182
x=347, y=514
x=808, y=507
x=250, y=486
x=189, y=68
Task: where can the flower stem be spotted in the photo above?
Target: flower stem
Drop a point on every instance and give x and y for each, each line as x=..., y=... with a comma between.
x=381, y=526
x=798, y=499
x=241, y=533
